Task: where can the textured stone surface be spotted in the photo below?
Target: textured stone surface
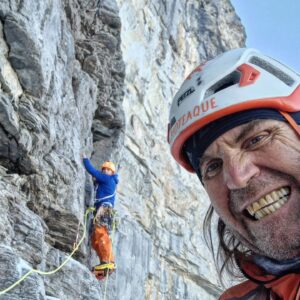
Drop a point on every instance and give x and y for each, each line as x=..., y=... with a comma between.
x=12, y=268
x=162, y=42
x=61, y=90
x=60, y=65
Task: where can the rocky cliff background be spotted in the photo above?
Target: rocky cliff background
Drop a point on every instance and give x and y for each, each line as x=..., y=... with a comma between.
x=96, y=77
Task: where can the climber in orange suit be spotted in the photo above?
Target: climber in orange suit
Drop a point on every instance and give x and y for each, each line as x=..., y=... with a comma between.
x=106, y=182
x=101, y=243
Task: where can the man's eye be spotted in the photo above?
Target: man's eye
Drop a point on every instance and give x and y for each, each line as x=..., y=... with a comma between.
x=212, y=169
x=256, y=140
x=252, y=142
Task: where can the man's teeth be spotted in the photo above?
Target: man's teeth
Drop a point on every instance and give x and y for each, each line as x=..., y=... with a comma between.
x=269, y=204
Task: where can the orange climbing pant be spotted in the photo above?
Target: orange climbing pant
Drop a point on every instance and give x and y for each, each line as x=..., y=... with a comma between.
x=101, y=243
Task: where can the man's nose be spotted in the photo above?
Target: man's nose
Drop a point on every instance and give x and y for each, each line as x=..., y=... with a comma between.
x=238, y=171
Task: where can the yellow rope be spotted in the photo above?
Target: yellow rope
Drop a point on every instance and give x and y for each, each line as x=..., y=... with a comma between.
x=112, y=236
x=77, y=235
x=89, y=209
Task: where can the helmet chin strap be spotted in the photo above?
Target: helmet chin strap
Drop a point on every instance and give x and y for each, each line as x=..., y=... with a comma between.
x=291, y=121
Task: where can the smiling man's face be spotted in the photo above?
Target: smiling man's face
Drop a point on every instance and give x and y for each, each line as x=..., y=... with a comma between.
x=252, y=176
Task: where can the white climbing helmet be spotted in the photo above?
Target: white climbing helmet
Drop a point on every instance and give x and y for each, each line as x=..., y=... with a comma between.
x=234, y=81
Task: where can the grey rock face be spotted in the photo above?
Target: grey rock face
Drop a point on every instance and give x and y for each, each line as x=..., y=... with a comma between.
x=162, y=42
x=55, y=57
x=62, y=76
x=12, y=268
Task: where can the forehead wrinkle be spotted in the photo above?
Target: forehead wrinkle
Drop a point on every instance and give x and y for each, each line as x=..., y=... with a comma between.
x=242, y=132
x=246, y=129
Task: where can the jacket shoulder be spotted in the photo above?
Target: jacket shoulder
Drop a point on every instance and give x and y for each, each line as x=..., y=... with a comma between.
x=240, y=291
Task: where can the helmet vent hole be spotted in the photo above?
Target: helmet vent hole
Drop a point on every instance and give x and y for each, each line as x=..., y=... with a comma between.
x=275, y=71
x=230, y=80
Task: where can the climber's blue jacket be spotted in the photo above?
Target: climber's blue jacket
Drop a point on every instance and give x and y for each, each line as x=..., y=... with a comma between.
x=105, y=184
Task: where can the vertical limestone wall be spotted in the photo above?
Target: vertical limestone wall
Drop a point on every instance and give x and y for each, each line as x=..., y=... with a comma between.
x=66, y=66
x=162, y=42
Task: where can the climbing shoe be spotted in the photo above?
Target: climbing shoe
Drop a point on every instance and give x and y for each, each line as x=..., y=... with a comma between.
x=103, y=270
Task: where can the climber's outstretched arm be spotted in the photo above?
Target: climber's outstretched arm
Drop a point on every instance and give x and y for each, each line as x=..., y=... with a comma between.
x=94, y=172
x=90, y=168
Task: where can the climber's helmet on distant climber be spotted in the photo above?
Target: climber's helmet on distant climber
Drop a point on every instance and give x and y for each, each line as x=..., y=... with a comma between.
x=234, y=88
x=109, y=165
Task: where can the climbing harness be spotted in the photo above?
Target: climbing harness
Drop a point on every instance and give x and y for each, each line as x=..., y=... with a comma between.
x=104, y=198
x=106, y=218
x=89, y=209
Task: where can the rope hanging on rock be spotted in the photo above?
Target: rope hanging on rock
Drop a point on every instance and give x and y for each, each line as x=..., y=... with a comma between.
x=76, y=247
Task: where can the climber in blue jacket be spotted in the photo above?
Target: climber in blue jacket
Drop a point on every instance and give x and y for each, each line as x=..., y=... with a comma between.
x=106, y=182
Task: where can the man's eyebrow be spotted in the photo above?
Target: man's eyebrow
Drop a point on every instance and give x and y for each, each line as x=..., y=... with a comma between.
x=244, y=132
x=246, y=129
